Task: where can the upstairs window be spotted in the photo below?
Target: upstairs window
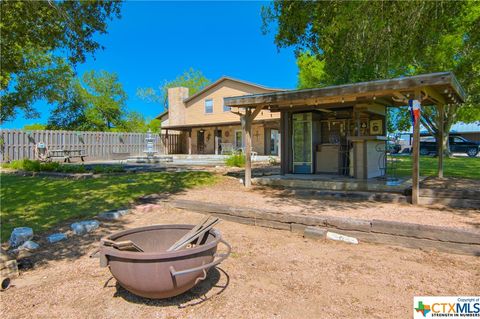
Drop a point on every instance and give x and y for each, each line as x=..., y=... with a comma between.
x=225, y=108
x=209, y=106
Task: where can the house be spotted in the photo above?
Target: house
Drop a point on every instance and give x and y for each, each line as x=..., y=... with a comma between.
x=205, y=125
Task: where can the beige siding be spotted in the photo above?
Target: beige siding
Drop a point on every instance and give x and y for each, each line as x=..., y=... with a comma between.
x=195, y=109
x=228, y=136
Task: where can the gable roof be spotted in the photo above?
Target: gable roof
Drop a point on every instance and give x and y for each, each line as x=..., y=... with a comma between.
x=159, y=116
x=225, y=78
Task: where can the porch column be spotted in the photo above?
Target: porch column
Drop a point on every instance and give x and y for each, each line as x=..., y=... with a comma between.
x=246, y=121
x=441, y=115
x=283, y=151
x=248, y=147
x=215, y=143
x=167, y=144
x=189, y=142
x=416, y=156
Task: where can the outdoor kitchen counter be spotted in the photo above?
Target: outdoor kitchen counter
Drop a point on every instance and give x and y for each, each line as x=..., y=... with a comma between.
x=368, y=156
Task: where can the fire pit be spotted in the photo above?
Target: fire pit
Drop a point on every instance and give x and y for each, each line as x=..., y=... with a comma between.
x=156, y=273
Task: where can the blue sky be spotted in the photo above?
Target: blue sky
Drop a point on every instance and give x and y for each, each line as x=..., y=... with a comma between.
x=157, y=41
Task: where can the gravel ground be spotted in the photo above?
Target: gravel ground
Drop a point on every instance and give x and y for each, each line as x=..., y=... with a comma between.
x=270, y=274
x=229, y=192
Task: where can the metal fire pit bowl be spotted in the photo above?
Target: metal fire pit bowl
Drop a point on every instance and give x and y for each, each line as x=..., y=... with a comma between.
x=156, y=273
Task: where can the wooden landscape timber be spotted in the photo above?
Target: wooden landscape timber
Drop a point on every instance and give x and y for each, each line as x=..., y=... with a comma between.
x=427, y=237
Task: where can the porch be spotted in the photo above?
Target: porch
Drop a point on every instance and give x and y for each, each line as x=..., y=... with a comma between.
x=336, y=183
x=340, y=129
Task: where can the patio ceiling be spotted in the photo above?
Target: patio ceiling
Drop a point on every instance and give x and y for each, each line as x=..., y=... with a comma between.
x=436, y=88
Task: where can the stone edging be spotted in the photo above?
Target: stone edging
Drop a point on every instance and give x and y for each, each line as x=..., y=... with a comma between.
x=447, y=239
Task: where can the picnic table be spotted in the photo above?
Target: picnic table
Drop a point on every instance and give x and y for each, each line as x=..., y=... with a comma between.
x=66, y=155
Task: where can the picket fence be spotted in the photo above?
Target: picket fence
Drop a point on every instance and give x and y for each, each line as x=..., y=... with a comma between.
x=20, y=144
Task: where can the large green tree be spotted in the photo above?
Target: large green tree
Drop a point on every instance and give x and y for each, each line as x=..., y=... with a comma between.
x=193, y=79
x=97, y=102
x=362, y=40
x=41, y=42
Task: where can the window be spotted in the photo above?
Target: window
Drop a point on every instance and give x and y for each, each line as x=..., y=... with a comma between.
x=225, y=108
x=209, y=106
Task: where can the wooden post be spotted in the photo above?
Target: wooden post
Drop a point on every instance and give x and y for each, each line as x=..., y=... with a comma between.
x=190, y=142
x=441, y=126
x=246, y=121
x=416, y=156
x=246, y=126
x=215, y=142
x=167, y=144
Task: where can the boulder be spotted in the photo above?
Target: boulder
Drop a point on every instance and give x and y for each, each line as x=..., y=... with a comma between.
x=113, y=214
x=53, y=238
x=83, y=227
x=29, y=245
x=20, y=235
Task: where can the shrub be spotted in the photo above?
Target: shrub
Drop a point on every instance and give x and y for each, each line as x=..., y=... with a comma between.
x=26, y=165
x=235, y=160
x=50, y=167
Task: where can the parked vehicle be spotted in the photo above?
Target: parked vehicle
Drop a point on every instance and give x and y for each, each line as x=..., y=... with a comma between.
x=458, y=144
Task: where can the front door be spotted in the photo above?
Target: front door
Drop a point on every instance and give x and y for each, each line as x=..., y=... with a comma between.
x=274, y=140
x=219, y=142
x=200, y=142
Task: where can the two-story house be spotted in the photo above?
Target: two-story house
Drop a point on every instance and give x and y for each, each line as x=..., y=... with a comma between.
x=206, y=124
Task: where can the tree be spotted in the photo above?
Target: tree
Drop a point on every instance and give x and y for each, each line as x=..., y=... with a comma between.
x=96, y=102
x=361, y=41
x=34, y=126
x=194, y=80
x=41, y=43
x=105, y=100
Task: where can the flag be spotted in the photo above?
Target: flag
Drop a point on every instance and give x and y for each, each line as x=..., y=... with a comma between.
x=415, y=110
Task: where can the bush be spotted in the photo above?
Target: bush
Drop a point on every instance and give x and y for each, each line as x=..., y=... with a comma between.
x=25, y=164
x=235, y=160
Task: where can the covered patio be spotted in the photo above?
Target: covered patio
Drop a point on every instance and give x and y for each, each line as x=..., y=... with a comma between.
x=341, y=130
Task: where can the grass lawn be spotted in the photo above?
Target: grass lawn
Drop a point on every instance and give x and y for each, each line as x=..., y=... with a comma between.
x=40, y=203
x=464, y=167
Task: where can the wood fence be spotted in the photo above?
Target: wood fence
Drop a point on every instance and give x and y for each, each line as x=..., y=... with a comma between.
x=19, y=144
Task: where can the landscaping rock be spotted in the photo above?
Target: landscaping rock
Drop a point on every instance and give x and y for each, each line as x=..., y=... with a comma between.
x=113, y=214
x=83, y=227
x=53, y=238
x=20, y=235
x=29, y=245
x=340, y=237
x=314, y=233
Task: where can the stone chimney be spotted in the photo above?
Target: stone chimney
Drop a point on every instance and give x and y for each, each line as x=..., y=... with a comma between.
x=176, y=107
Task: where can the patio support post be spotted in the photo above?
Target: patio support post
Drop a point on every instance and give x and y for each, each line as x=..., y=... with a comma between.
x=441, y=126
x=416, y=156
x=248, y=145
x=167, y=144
x=246, y=121
x=215, y=144
x=189, y=142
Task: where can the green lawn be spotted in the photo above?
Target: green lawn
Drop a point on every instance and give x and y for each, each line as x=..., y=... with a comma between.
x=465, y=167
x=41, y=203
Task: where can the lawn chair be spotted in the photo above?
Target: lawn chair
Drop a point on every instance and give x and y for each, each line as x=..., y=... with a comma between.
x=41, y=152
x=253, y=154
x=226, y=148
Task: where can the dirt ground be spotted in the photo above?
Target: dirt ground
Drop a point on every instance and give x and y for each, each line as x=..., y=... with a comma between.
x=270, y=274
x=228, y=192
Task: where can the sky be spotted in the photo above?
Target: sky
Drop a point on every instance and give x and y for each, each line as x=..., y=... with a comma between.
x=157, y=41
